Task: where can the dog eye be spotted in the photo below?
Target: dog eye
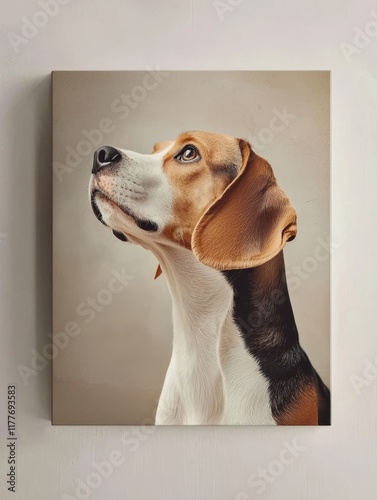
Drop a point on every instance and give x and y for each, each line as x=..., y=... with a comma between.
x=188, y=154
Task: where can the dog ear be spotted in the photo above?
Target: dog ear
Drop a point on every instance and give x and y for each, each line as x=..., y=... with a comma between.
x=160, y=146
x=249, y=223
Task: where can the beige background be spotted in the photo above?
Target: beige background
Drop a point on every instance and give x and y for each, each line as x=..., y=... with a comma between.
x=112, y=372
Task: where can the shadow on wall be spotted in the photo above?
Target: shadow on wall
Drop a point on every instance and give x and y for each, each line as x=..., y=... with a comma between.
x=30, y=208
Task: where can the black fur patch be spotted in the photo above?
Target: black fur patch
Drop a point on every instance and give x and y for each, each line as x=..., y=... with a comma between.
x=146, y=225
x=120, y=236
x=267, y=325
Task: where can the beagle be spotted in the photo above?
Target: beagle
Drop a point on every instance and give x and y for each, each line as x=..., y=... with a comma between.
x=213, y=214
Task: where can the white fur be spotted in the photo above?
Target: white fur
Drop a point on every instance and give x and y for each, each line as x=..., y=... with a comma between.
x=140, y=185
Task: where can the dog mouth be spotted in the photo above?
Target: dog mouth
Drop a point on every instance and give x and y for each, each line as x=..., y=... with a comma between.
x=144, y=224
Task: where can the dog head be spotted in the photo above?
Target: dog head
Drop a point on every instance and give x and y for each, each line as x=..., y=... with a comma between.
x=206, y=192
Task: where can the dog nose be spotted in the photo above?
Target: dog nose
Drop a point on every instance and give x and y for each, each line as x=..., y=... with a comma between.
x=106, y=155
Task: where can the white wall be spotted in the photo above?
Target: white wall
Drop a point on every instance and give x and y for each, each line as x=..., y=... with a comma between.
x=190, y=463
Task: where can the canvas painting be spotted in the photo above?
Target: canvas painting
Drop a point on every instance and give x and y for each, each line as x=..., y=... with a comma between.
x=191, y=248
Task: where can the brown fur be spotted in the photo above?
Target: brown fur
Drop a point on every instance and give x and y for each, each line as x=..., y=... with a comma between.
x=198, y=184
x=303, y=411
x=227, y=206
x=249, y=224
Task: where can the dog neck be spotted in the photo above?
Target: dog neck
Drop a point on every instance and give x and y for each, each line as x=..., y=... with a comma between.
x=257, y=298
x=202, y=300
x=201, y=296
x=231, y=329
